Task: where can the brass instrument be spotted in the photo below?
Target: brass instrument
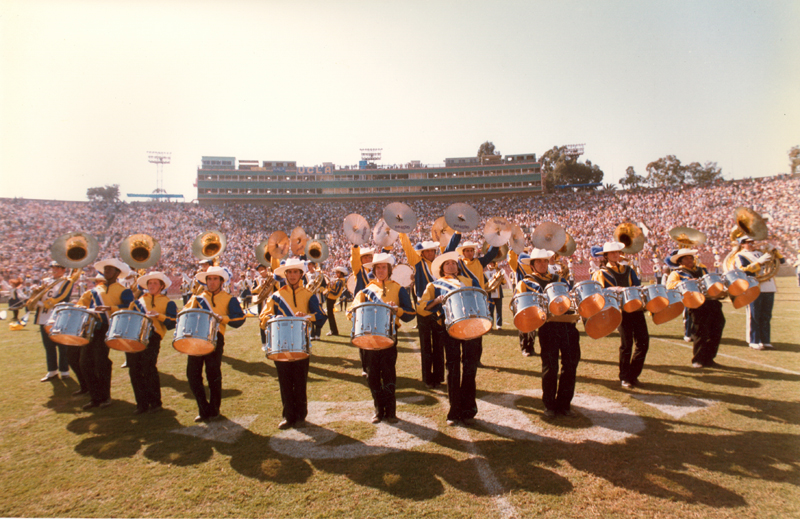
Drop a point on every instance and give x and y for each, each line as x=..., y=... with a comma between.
x=317, y=250
x=499, y=278
x=73, y=250
x=208, y=245
x=265, y=288
x=750, y=223
x=140, y=251
x=315, y=285
x=631, y=236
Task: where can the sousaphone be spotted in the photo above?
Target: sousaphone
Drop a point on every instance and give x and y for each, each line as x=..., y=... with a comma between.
x=317, y=250
x=208, y=245
x=140, y=251
x=75, y=250
x=631, y=236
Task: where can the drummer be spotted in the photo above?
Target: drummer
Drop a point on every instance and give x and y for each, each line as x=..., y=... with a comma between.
x=335, y=289
x=707, y=320
x=381, y=373
x=227, y=311
x=634, y=326
x=520, y=269
x=57, y=356
x=104, y=299
x=460, y=380
x=555, y=336
x=162, y=311
x=359, y=258
x=292, y=300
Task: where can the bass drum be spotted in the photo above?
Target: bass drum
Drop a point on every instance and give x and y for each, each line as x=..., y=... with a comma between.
x=373, y=326
x=466, y=313
x=128, y=331
x=195, y=332
x=73, y=326
x=288, y=339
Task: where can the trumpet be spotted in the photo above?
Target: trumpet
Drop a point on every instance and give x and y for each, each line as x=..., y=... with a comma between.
x=497, y=279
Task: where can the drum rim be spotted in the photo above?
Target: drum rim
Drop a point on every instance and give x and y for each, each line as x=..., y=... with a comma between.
x=464, y=289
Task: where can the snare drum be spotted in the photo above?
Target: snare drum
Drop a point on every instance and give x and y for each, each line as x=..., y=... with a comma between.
x=589, y=298
x=466, y=313
x=737, y=282
x=631, y=299
x=655, y=298
x=606, y=320
x=73, y=326
x=690, y=291
x=195, y=332
x=558, y=300
x=48, y=326
x=373, y=326
x=288, y=338
x=128, y=331
x=674, y=308
x=529, y=309
x=713, y=286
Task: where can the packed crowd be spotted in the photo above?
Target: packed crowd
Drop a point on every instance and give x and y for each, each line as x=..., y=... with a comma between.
x=29, y=227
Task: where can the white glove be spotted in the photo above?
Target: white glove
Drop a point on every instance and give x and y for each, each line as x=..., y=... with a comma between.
x=764, y=259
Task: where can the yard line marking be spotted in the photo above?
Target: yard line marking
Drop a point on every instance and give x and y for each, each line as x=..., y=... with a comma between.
x=776, y=368
x=488, y=478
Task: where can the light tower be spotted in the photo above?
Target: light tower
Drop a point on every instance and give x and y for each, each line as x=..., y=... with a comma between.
x=159, y=158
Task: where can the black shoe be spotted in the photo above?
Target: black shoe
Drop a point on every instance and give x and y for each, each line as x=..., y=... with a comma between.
x=285, y=424
x=570, y=413
x=105, y=403
x=469, y=422
x=80, y=392
x=549, y=413
x=90, y=405
x=140, y=410
x=156, y=409
x=391, y=419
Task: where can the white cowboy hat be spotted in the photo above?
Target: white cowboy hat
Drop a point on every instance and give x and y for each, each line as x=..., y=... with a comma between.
x=429, y=245
x=380, y=258
x=468, y=245
x=342, y=270
x=613, y=246
x=213, y=271
x=681, y=253
x=291, y=264
x=439, y=261
x=537, y=254
x=142, y=282
x=366, y=251
x=113, y=262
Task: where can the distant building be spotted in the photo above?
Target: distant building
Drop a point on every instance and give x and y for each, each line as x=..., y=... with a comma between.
x=219, y=180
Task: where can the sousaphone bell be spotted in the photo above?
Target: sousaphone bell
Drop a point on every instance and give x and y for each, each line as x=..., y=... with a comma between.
x=140, y=251
x=75, y=250
x=208, y=245
x=317, y=250
x=631, y=236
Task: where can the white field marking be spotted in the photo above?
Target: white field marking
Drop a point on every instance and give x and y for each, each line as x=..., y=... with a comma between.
x=227, y=431
x=675, y=406
x=310, y=442
x=488, y=478
x=689, y=346
x=611, y=421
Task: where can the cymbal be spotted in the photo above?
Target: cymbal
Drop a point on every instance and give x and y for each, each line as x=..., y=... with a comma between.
x=356, y=229
x=517, y=239
x=497, y=231
x=278, y=245
x=441, y=232
x=383, y=235
x=549, y=236
x=462, y=217
x=298, y=239
x=687, y=236
x=502, y=254
x=569, y=247
x=400, y=217
x=752, y=223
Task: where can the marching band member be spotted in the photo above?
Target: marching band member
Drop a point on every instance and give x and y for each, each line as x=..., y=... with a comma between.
x=266, y=286
x=759, y=312
x=468, y=264
x=495, y=297
x=162, y=312
x=428, y=327
x=335, y=289
x=105, y=299
x=292, y=300
x=227, y=311
x=57, y=355
x=381, y=373
x=634, y=326
x=311, y=276
x=461, y=357
x=198, y=287
x=707, y=321
x=554, y=337
x=521, y=269
x=359, y=257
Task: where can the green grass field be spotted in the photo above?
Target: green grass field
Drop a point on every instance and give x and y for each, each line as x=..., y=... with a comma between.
x=691, y=443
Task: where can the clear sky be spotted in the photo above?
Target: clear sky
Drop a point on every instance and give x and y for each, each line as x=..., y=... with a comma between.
x=87, y=88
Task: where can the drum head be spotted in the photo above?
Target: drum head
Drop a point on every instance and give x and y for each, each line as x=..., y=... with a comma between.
x=193, y=346
x=70, y=340
x=529, y=319
x=746, y=298
x=372, y=342
x=603, y=323
x=693, y=299
x=668, y=314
